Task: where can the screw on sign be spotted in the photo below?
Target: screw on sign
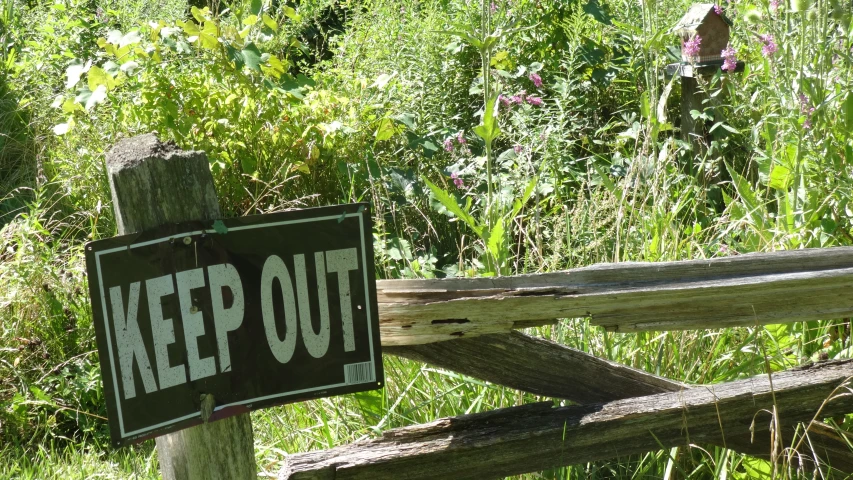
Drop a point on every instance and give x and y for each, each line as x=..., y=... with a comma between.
x=245, y=313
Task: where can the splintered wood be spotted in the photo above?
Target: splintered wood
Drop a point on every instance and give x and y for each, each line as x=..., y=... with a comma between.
x=539, y=436
x=751, y=289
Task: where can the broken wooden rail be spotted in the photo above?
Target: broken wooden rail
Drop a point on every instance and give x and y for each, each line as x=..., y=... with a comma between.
x=622, y=410
x=758, y=288
x=539, y=436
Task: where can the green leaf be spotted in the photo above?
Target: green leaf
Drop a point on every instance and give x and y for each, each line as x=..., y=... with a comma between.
x=496, y=240
x=780, y=177
x=73, y=74
x=252, y=56
x=450, y=204
x=209, y=36
x=385, y=130
x=489, y=129
x=130, y=38
x=847, y=109
x=99, y=95
x=98, y=77
x=61, y=129
x=256, y=7
x=290, y=13
x=269, y=22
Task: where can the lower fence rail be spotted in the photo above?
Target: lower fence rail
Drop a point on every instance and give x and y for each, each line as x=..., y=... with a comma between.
x=540, y=436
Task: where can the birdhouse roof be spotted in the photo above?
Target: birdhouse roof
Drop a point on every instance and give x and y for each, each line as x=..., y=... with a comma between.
x=696, y=15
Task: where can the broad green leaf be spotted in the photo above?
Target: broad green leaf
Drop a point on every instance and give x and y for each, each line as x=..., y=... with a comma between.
x=99, y=95
x=189, y=27
x=269, y=22
x=256, y=7
x=450, y=204
x=130, y=38
x=780, y=177
x=250, y=20
x=129, y=67
x=385, y=130
x=290, y=13
x=489, y=129
x=99, y=78
x=496, y=240
x=73, y=74
x=252, y=56
x=61, y=129
x=209, y=35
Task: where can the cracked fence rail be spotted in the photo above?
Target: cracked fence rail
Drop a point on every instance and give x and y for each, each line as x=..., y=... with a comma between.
x=539, y=436
x=751, y=289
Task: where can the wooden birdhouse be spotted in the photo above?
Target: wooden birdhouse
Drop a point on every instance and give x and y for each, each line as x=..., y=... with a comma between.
x=704, y=33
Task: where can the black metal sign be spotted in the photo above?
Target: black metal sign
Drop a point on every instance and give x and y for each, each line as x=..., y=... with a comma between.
x=234, y=315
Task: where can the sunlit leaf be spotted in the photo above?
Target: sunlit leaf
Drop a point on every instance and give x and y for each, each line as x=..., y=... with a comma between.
x=252, y=56
x=99, y=95
x=269, y=22
x=61, y=129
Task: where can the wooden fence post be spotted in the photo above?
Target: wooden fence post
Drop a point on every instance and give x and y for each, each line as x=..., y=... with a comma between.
x=152, y=184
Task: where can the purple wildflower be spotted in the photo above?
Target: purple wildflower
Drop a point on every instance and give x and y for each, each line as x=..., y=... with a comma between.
x=774, y=5
x=505, y=101
x=493, y=8
x=690, y=48
x=769, y=47
x=456, y=180
x=517, y=149
x=718, y=9
x=460, y=138
x=448, y=144
x=729, y=59
x=519, y=99
x=804, y=102
x=536, y=79
x=535, y=101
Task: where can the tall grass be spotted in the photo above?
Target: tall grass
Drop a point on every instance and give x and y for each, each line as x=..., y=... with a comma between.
x=612, y=186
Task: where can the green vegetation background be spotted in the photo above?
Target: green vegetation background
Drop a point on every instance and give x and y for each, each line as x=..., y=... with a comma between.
x=565, y=152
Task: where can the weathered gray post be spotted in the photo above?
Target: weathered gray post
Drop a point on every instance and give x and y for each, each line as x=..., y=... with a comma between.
x=155, y=183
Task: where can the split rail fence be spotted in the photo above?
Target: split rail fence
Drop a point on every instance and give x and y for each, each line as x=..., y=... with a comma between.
x=469, y=326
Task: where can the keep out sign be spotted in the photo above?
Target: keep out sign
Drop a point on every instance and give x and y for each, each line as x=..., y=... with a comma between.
x=248, y=312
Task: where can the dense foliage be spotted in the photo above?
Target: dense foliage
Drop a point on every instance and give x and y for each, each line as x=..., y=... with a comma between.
x=492, y=139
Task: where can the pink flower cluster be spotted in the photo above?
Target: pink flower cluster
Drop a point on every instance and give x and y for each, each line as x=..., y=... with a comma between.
x=718, y=9
x=536, y=79
x=520, y=99
x=769, y=47
x=456, y=180
x=460, y=139
x=691, y=47
x=807, y=110
x=729, y=59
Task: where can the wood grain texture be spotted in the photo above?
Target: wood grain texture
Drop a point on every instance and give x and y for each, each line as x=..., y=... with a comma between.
x=751, y=289
x=542, y=367
x=539, y=366
x=155, y=183
x=538, y=436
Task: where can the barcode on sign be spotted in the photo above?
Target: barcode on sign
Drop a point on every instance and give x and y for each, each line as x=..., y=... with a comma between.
x=355, y=373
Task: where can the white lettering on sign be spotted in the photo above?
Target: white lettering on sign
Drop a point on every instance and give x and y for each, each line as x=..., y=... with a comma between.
x=316, y=343
x=297, y=316
x=225, y=319
x=193, y=322
x=129, y=341
x=341, y=262
x=163, y=331
x=274, y=268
